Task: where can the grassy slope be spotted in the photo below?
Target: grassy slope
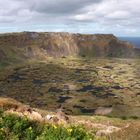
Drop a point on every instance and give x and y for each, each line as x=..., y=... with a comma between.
x=14, y=127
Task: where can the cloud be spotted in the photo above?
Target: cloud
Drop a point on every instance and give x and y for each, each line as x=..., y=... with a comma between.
x=61, y=6
x=121, y=17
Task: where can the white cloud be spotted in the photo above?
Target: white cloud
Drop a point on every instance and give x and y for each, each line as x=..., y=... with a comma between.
x=121, y=17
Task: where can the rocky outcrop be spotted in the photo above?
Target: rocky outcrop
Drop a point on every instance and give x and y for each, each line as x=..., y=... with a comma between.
x=40, y=45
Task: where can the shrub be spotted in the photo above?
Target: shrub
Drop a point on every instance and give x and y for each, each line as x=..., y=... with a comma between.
x=13, y=127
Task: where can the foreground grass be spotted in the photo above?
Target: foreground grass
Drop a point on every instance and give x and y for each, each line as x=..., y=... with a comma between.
x=13, y=127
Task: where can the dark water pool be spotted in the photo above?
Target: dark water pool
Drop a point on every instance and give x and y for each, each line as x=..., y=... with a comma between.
x=63, y=99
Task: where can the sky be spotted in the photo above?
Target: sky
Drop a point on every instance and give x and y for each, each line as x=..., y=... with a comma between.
x=118, y=17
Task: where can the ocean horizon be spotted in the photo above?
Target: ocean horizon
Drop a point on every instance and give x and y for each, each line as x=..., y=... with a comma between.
x=133, y=40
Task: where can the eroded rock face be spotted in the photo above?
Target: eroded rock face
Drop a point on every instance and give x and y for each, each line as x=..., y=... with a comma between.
x=31, y=44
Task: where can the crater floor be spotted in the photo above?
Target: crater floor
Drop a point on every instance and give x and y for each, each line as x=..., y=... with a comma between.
x=76, y=85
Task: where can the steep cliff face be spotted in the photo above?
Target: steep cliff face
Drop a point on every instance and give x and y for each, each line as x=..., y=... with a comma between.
x=100, y=45
x=40, y=45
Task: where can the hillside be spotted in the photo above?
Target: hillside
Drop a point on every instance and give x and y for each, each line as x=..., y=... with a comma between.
x=18, y=46
x=23, y=122
x=59, y=86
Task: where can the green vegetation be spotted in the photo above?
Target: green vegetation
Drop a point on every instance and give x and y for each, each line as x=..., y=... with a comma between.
x=13, y=127
x=79, y=85
x=108, y=86
x=3, y=65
